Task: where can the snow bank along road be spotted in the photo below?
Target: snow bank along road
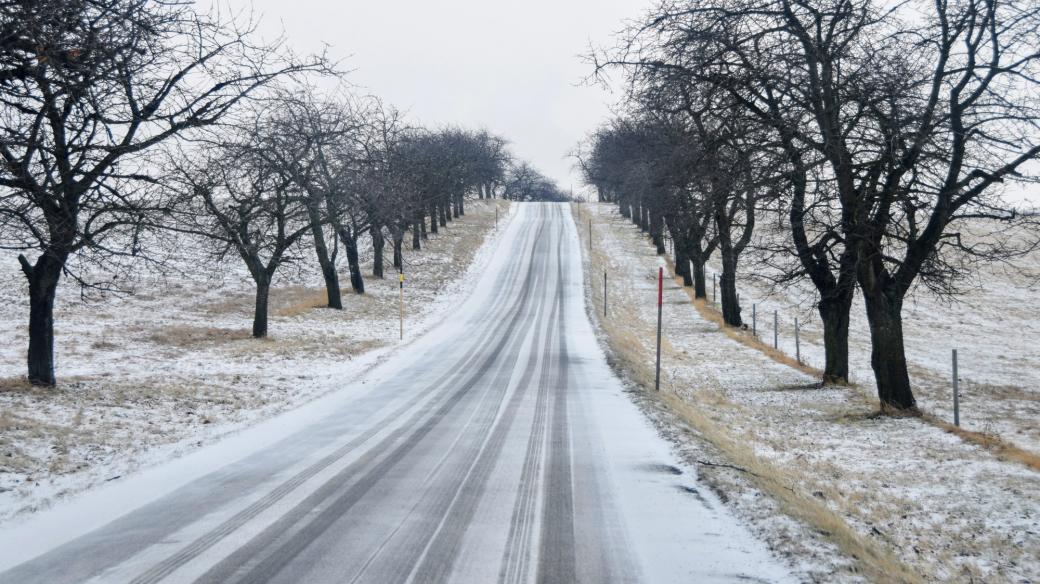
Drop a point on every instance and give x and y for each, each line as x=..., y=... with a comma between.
x=498, y=447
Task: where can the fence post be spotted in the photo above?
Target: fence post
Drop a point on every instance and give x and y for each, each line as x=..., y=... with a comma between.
x=797, y=343
x=776, y=332
x=754, y=319
x=956, y=394
x=604, y=293
x=660, y=302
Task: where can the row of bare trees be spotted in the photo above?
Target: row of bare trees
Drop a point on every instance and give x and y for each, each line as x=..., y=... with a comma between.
x=878, y=139
x=124, y=119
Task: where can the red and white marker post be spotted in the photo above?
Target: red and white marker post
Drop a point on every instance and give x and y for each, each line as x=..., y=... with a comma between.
x=660, y=304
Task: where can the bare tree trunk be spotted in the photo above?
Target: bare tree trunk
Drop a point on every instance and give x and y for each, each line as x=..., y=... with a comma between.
x=626, y=211
x=378, y=243
x=728, y=290
x=887, y=355
x=445, y=213
x=434, y=212
x=398, y=251
x=728, y=278
x=416, y=228
x=325, y=260
x=43, y=286
x=263, y=291
x=682, y=262
x=349, y=238
x=700, y=285
x=657, y=232
x=834, y=313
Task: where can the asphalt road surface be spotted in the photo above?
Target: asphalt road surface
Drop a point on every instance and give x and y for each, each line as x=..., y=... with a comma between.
x=498, y=447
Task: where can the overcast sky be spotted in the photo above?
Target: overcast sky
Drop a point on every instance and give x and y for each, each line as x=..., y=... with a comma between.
x=513, y=67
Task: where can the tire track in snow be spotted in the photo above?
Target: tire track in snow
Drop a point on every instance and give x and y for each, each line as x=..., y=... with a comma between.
x=198, y=546
x=262, y=558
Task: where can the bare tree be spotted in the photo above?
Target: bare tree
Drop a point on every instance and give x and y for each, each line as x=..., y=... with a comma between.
x=909, y=125
x=230, y=191
x=88, y=88
x=315, y=145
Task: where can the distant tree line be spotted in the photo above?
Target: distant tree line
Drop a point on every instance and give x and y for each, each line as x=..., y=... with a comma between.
x=870, y=135
x=125, y=118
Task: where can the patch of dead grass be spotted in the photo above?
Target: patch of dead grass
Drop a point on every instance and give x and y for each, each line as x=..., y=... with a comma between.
x=297, y=300
x=185, y=336
x=16, y=385
x=1000, y=448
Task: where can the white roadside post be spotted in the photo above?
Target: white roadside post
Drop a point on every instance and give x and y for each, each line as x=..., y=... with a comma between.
x=660, y=302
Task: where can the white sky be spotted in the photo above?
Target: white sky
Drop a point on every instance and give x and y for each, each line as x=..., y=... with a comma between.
x=512, y=67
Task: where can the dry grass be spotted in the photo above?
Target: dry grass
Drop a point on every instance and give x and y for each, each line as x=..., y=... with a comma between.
x=877, y=563
x=874, y=559
x=185, y=336
x=711, y=314
x=297, y=300
x=16, y=385
x=1002, y=449
x=999, y=447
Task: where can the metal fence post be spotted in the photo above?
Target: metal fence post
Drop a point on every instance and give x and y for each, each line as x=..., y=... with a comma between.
x=797, y=343
x=956, y=394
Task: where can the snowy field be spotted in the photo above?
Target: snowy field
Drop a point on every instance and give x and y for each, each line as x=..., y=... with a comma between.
x=994, y=326
x=909, y=500
x=155, y=374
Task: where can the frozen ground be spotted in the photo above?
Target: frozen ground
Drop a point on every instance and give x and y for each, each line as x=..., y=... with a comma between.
x=500, y=447
x=901, y=495
x=160, y=372
x=994, y=326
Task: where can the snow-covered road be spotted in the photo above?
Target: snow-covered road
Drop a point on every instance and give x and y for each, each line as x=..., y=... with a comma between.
x=497, y=447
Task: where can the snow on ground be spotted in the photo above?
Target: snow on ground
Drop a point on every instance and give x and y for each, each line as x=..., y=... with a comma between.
x=157, y=373
x=943, y=508
x=994, y=326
